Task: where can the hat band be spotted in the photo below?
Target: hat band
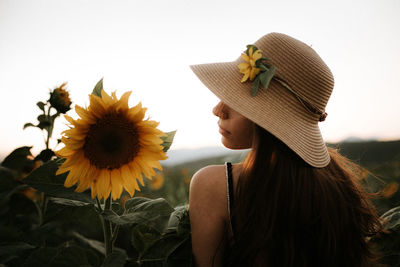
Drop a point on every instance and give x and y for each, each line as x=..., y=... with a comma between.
x=307, y=104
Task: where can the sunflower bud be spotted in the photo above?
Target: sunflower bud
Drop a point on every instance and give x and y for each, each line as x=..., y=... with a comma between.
x=59, y=99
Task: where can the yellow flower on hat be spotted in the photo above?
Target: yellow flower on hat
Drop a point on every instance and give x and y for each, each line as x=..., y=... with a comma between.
x=110, y=147
x=249, y=68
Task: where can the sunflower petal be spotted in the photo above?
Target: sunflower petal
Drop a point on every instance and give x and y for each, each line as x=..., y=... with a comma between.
x=69, y=119
x=108, y=101
x=64, y=152
x=116, y=183
x=128, y=180
x=104, y=184
x=96, y=106
x=85, y=115
x=77, y=134
x=123, y=102
x=138, y=116
x=72, y=144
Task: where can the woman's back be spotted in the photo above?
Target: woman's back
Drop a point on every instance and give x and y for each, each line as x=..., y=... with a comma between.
x=296, y=215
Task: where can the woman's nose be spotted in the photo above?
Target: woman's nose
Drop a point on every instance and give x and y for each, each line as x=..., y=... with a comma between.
x=220, y=110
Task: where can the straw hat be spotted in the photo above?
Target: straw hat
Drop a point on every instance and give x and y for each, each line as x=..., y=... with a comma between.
x=291, y=106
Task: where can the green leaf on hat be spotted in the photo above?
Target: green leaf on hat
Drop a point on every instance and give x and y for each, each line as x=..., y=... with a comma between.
x=267, y=76
x=256, y=85
x=248, y=49
x=97, y=89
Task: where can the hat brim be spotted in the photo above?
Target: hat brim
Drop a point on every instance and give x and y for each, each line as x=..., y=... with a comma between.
x=275, y=109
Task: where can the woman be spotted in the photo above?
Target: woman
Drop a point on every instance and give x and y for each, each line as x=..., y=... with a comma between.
x=293, y=201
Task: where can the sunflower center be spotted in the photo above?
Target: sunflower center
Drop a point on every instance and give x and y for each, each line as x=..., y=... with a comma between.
x=111, y=142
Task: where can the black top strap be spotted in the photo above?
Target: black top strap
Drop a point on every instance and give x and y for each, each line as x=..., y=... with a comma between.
x=230, y=191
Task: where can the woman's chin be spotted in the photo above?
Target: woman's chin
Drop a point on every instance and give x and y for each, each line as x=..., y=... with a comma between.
x=232, y=145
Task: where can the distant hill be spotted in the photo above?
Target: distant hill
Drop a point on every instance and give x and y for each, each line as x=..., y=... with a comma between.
x=180, y=156
x=362, y=152
x=370, y=152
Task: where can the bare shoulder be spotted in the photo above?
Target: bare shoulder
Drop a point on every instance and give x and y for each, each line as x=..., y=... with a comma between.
x=208, y=214
x=208, y=188
x=209, y=176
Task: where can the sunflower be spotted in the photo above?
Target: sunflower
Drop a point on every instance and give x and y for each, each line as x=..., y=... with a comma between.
x=59, y=99
x=110, y=147
x=249, y=68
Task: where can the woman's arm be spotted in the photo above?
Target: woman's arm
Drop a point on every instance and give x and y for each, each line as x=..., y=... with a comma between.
x=208, y=215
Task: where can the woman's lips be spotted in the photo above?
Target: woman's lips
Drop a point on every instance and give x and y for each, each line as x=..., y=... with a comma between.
x=223, y=132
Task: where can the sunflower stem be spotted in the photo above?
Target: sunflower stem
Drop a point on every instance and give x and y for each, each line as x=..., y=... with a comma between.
x=39, y=211
x=114, y=235
x=107, y=228
x=98, y=204
x=43, y=207
x=48, y=129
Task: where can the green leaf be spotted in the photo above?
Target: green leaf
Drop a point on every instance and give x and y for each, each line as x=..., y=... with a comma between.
x=71, y=256
x=266, y=77
x=41, y=257
x=45, y=155
x=155, y=213
x=169, y=250
x=82, y=219
x=392, y=219
x=167, y=140
x=43, y=125
x=41, y=105
x=14, y=247
x=26, y=125
x=45, y=180
x=44, y=121
x=96, y=245
x=116, y=259
x=7, y=180
x=142, y=237
x=68, y=202
x=179, y=220
x=43, y=118
x=145, y=204
x=262, y=67
x=248, y=49
x=18, y=160
x=97, y=89
x=8, y=186
x=64, y=256
x=173, y=248
x=256, y=85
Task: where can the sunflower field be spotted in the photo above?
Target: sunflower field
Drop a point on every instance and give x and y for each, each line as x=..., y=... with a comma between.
x=104, y=199
x=80, y=205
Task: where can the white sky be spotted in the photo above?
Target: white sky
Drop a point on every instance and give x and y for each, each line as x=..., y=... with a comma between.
x=147, y=46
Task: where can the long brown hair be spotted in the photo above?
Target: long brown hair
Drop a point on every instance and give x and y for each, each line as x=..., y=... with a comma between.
x=288, y=213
